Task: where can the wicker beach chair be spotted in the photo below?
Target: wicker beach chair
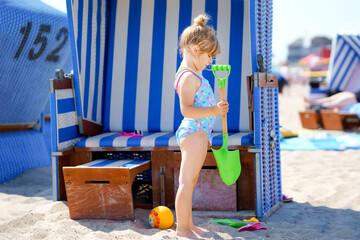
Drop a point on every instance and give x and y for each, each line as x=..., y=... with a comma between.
x=33, y=42
x=344, y=74
x=125, y=58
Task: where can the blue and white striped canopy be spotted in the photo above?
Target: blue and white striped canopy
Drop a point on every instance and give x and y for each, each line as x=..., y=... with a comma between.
x=126, y=57
x=344, y=70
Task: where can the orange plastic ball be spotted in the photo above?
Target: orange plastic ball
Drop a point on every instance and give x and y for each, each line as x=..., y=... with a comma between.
x=161, y=217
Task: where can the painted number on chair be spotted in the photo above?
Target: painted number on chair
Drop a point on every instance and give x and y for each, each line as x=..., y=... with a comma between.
x=41, y=41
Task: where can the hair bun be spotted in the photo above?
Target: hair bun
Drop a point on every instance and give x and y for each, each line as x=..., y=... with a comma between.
x=201, y=20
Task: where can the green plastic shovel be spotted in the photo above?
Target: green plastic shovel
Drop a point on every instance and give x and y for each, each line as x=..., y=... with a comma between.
x=228, y=161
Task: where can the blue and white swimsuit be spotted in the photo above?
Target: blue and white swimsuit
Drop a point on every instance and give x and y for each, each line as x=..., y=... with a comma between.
x=204, y=97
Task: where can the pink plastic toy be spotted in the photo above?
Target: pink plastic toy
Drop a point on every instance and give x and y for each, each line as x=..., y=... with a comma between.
x=130, y=134
x=252, y=227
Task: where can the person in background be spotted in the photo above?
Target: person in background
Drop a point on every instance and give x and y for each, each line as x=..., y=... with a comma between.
x=337, y=102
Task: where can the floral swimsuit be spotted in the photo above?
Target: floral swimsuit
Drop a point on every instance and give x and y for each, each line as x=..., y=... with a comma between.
x=204, y=97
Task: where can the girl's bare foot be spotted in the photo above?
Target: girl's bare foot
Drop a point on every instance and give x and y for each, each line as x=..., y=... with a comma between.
x=187, y=234
x=197, y=229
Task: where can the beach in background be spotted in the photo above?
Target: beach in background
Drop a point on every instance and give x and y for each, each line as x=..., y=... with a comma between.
x=324, y=185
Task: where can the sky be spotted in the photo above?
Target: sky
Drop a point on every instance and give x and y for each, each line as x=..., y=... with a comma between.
x=293, y=19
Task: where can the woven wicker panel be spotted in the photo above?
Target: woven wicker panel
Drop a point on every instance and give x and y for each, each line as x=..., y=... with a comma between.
x=268, y=167
x=34, y=42
x=21, y=151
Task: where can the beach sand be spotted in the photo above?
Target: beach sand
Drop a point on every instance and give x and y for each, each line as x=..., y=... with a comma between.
x=324, y=185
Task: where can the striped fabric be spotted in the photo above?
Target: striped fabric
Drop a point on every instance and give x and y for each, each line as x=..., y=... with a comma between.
x=65, y=121
x=142, y=59
x=87, y=23
x=159, y=139
x=344, y=64
x=114, y=163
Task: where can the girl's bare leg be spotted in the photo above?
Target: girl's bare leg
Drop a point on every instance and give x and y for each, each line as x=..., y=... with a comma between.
x=193, y=153
x=192, y=226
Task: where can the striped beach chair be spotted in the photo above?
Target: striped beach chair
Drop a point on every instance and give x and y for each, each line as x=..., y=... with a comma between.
x=125, y=57
x=344, y=68
x=33, y=43
x=343, y=75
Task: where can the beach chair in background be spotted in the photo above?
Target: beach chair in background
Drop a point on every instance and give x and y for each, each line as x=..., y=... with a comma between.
x=34, y=42
x=343, y=75
x=125, y=58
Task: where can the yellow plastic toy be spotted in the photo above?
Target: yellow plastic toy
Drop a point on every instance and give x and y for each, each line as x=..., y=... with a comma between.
x=253, y=219
x=161, y=217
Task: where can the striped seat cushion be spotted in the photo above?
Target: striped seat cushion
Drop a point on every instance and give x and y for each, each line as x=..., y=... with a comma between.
x=158, y=139
x=130, y=164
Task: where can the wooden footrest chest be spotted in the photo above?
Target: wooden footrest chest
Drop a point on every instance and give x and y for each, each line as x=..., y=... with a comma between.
x=101, y=189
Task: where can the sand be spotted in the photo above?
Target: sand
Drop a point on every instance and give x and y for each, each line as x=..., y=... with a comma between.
x=324, y=185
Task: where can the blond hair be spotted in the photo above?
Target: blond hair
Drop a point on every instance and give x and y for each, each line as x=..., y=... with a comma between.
x=200, y=34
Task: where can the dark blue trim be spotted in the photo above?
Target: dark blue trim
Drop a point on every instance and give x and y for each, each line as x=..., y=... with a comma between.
x=316, y=90
x=109, y=66
x=157, y=64
x=68, y=133
x=106, y=52
x=338, y=71
x=79, y=31
x=163, y=141
x=134, y=163
x=337, y=54
x=53, y=127
x=73, y=46
x=131, y=164
x=211, y=8
x=81, y=143
x=56, y=177
x=103, y=163
x=235, y=60
x=97, y=63
x=131, y=69
x=257, y=117
x=88, y=60
x=108, y=140
x=136, y=141
x=184, y=21
x=346, y=73
x=65, y=105
x=355, y=43
x=253, y=35
x=340, y=50
x=247, y=140
x=218, y=140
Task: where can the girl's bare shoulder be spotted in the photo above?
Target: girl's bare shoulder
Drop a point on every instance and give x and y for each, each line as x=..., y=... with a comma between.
x=190, y=79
